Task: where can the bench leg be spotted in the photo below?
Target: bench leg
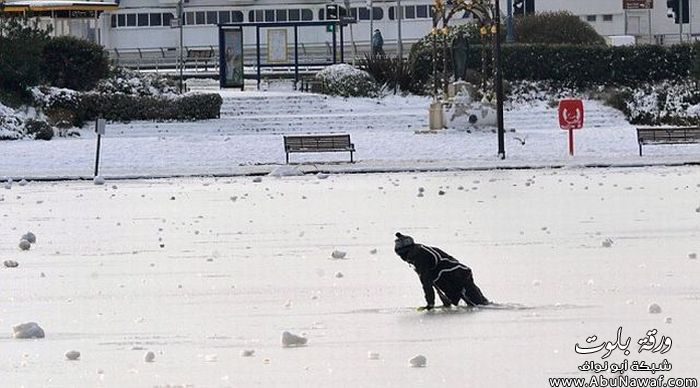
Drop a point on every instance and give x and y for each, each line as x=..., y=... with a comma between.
x=287, y=157
x=351, y=161
x=640, y=148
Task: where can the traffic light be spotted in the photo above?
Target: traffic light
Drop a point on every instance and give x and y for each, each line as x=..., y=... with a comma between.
x=676, y=7
x=331, y=11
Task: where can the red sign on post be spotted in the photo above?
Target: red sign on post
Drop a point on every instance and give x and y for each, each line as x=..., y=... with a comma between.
x=570, y=118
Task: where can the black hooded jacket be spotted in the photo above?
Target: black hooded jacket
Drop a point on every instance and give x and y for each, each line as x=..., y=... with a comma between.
x=431, y=264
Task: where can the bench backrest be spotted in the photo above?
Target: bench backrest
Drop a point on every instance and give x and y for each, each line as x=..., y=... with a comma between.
x=668, y=134
x=317, y=142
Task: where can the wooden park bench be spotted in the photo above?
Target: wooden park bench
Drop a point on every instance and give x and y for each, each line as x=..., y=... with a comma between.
x=318, y=143
x=677, y=135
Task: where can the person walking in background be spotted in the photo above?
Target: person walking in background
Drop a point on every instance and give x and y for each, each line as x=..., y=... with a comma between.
x=377, y=44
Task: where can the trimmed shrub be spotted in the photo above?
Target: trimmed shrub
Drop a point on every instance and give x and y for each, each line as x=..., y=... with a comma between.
x=74, y=63
x=665, y=103
x=347, y=81
x=40, y=130
x=570, y=65
x=125, y=81
x=555, y=28
x=21, y=44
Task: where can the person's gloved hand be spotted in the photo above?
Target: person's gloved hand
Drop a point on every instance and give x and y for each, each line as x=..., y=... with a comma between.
x=424, y=308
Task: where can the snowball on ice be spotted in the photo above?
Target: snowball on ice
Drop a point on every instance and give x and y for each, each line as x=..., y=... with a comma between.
x=338, y=254
x=373, y=355
x=322, y=176
x=10, y=264
x=247, y=353
x=98, y=180
x=257, y=179
x=607, y=243
x=28, y=330
x=290, y=340
x=692, y=255
x=149, y=357
x=418, y=361
x=536, y=283
x=654, y=308
x=339, y=275
x=23, y=182
x=668, y=320
x=24, y=245
x=373, y=251
x=29, y=236
x=72, y=355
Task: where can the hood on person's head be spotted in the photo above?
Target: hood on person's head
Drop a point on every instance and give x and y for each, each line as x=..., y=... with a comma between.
x=402, y=243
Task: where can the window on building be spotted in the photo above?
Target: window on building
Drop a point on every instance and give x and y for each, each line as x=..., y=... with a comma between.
x=130, y=19
x=363, y=13
x=607, y=18
x=421, y=11
x=259, y=15
x=409, y=12
x=591, y=18
x=392, y=13
x=167, y=17
x=200, y=18
x=281, y=15
x=142, y=20
x=113, y=21
x=307, y=14
x=121, y=20
x=156, y=19
x=321, y=14
x=212, y=17
x=237, y=16
x=189, y=18
x=294, y=15
x=269, y=15
x=224, y=17
x=377, y=13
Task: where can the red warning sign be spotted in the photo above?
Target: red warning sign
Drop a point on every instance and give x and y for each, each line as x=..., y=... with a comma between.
x=571, y=114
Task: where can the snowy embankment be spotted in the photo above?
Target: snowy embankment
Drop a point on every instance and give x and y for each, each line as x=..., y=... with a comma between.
x=193, y=282
x=248, y=139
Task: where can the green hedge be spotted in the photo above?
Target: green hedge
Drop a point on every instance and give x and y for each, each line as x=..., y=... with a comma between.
x=81, y=107
x=572, y=65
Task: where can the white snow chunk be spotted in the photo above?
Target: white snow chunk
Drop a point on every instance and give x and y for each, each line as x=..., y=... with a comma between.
x=98, y=180
x=29, y=236
x=373, y=355
x=149, y=357
x=536, y=283
x=692, y=255
x=607, y=243
x=290, y=340
x=24, y=245
x=668, y=320
x=23, y=182
x=257, y=179
x=285, y=171
x=590, y=282
x=418, y=361
x=72, y=355
x=247, y=353
x=322, y=175
x=288, y=304
x=373, y=251
x=339, y=275
x=336, y=254
x=8, y=185
x=654, y=308
x=10, y=264
x=211, y=358
x=28, y=330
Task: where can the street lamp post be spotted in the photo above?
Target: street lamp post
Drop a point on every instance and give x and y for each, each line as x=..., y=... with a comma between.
x=499, y=83
x=509, y=26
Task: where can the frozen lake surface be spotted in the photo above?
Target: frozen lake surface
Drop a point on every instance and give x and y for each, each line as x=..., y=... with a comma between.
x=198, y=270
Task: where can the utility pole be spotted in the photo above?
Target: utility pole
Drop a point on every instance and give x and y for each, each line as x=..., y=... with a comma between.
x=180, y=18
x=371, y=27
x=680, y=20
x=509, y=31
x=399, y=18
x=499, y=84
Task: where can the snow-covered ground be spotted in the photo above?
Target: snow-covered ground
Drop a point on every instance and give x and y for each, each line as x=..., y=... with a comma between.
x=198, y=270
x=248, y=139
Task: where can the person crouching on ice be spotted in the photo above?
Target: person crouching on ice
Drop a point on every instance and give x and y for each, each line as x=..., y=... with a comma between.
x=452, y=279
